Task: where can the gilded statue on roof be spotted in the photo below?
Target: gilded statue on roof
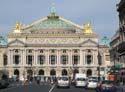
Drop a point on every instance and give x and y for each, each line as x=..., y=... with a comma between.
x=17, y=26
x=88, y=28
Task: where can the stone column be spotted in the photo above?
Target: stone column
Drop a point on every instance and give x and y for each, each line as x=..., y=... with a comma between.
x=9, y=57
x=47, y=57
x=21, y=57
x=58, y=58
x=93, y=57
x=81, y=57
x=35, y=57
x=70, y=57
x=24, y=57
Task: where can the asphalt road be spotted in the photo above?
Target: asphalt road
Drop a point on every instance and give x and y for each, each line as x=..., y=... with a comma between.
x=28, y=88
x=71, y=89
x=42, y=88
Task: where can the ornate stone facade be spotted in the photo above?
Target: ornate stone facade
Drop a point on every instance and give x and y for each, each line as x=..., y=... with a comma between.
x=54, y=46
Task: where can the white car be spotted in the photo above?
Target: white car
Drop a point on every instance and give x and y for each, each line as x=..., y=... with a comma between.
x=63, y=82
x=80, y=82
x=92, y=84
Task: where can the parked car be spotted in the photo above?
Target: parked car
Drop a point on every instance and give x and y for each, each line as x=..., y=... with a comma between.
x=4, y=80
x=106, y=86
x=63, y=82
x=92, y=84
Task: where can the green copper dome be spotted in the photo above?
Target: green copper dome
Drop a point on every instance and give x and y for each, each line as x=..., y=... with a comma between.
x=105, y=41
x=53, y=24
x=2, y=41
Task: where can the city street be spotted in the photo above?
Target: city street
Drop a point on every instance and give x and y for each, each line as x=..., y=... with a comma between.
x=27, y=88
x=71, y=89
x=41, y=88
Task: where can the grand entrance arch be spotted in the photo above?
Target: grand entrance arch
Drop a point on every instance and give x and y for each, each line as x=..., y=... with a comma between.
x=41, y=72
x=53, y=72
x=89, y=72
x=16, y=72
x=64, y=72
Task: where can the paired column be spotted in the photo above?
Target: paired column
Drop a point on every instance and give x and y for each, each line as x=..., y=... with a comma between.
x=58, y=57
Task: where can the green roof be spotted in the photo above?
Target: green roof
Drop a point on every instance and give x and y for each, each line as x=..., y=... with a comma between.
x=105, y=41
x=54, y=23
x=2, y=41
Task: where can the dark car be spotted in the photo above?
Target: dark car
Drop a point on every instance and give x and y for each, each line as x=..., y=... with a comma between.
x=106, y=86
x=4, y=80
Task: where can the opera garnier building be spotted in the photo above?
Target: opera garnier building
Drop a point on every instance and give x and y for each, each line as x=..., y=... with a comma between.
x=55, y=46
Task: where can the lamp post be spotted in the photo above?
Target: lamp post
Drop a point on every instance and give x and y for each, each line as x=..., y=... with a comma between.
x=99, y=63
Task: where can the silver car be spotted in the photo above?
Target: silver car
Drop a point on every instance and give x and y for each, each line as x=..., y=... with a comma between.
x=63, y=82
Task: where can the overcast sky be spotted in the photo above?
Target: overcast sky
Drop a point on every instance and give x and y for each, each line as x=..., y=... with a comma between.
x=101, y=13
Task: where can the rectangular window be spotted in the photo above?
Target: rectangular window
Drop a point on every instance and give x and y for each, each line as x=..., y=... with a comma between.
x=16, y=59
x=64, y=59
x=53, y=59
x=75, y=59
x=41, y=59
x=5, y=60
x=29, y=59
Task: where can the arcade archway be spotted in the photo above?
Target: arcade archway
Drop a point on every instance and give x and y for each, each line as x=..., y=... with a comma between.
x=16, y=72
x=52, y=72
x=64, y=72
x=41, y=72
x=89, y=72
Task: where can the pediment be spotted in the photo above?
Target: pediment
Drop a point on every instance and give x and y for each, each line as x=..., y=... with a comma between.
x=17, y=43
x=89, y=42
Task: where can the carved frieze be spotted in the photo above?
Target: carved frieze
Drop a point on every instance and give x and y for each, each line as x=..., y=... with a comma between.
x=54, y=41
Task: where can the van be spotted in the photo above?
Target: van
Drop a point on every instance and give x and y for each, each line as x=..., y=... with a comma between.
x=80, y=80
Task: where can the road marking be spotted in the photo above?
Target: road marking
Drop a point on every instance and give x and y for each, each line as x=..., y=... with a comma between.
x=52, y=88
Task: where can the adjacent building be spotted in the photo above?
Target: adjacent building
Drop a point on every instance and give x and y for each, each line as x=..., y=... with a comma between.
x=118, y=40
x=3, y=53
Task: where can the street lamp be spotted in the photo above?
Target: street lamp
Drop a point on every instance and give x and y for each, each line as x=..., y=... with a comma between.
x=99, y=63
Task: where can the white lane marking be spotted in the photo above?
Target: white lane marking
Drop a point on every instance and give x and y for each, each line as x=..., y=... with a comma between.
x=52, y=88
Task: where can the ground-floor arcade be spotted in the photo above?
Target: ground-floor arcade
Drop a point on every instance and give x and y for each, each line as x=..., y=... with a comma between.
x=50, y=71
